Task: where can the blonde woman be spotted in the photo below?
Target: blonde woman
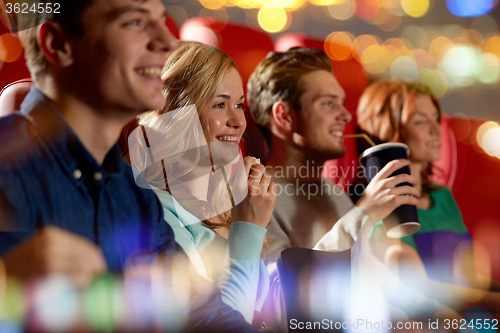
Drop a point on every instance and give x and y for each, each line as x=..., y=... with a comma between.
x=192, y=162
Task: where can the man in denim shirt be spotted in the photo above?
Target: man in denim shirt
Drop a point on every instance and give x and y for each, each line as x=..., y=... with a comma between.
x=68, y=202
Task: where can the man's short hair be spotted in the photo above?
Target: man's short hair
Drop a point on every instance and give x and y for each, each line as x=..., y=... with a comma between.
x=70, y=18
x=278, y=78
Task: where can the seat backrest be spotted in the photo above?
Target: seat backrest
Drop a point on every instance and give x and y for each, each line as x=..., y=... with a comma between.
x=172, y=26
x=13, y=95
x=475, y=184
x=315, y=285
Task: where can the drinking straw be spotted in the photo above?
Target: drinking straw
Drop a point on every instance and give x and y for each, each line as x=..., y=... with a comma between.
x=362, y=135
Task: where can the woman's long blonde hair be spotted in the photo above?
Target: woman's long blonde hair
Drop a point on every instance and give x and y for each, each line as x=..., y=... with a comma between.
x=193, y=74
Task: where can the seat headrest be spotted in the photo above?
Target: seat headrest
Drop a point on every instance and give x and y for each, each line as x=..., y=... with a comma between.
x=12, y=95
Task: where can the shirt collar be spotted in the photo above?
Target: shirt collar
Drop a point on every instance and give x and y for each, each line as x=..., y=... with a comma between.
x=64, y=143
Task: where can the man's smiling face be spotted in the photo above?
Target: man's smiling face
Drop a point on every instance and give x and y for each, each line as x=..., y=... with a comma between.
x=119, y=60
x=323, y=117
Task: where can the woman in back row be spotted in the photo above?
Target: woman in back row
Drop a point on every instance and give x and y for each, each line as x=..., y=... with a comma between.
x=396, y=111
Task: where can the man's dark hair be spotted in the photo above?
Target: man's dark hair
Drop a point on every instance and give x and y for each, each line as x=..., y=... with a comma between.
x=70, y=18
x=278, y=78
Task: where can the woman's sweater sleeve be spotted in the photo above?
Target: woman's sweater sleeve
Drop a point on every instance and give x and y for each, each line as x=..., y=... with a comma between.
x=239, y=281
x=185, y=239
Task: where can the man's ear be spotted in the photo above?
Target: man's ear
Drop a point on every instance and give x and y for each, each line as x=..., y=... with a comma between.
x=54, y=44
x=283, y=119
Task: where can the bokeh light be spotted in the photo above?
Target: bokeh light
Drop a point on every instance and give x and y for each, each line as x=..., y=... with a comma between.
x=452, y=31
x=391, y=25
x=436, y=80
x=493, y=46
x=483, y=129
x=272, y=18
x=427, y=38
x=55, y=304
x=415, y=8
x=468, y=8
x=490, y=69
x=10, y=48
x=485, y=24
x=404, y=68
x=213, y=4
x=178, y=14
x=375, y=59
x=103, y=304
x=366, y=9
x=385, y=18
x=438, y=48
x=12, y=302
x=342, y=11
x=461, y=64
x=470, y=36
x=397, y=47
x=423, y=59
x=290, y=5
x=284, y=3
x=338, y=45
x=325, y=2
x=200, y=34
x=246, y=4
x=491, y=141
x=361, y=43
x=219, y=15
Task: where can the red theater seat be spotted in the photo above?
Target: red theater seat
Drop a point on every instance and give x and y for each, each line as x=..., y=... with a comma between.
x=13, y=95
x=15, y=70
x=473, y=178
x=172, y=26
x=352, y=78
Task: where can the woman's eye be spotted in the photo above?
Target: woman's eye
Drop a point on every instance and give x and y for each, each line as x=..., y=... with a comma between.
x=219, y=106
x=239, y=106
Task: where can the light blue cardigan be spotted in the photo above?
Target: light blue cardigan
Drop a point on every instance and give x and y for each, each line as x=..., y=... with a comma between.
x=242, y=277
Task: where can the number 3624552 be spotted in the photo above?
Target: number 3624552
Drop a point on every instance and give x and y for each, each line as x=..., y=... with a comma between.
x=24, y=8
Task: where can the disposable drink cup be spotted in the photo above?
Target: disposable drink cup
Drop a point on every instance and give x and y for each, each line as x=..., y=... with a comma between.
x=403, y=221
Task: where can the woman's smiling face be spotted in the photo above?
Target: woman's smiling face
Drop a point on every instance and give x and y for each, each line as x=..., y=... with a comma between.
x=422, y=132
x=223, y=119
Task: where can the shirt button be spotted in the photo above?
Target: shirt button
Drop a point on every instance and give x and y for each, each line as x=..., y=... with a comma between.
x=97, y=176
x=77, y=174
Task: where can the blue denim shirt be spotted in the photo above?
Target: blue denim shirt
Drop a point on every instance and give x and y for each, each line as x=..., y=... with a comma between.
x=48, y=177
